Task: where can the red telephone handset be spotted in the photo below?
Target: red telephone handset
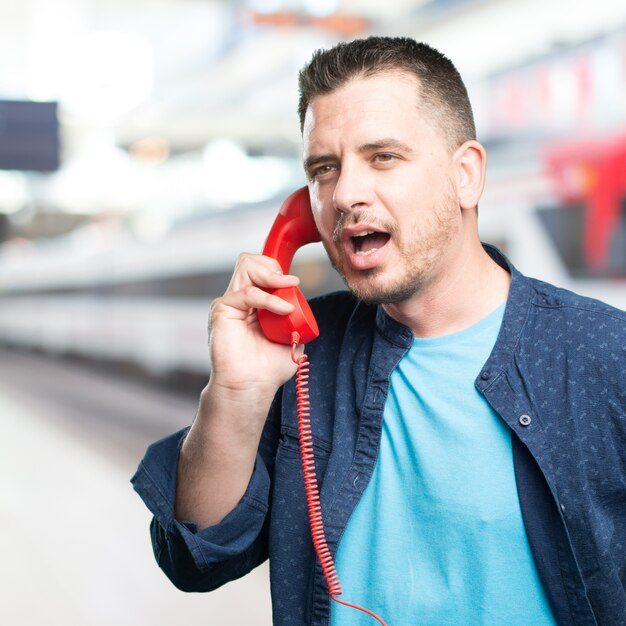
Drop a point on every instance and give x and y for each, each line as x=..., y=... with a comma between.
x=293, y=227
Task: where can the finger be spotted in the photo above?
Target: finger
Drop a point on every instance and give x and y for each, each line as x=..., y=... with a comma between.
x=253, y=297
x=262, y=271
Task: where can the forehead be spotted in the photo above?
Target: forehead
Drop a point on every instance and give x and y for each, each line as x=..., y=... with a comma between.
x=384, y=104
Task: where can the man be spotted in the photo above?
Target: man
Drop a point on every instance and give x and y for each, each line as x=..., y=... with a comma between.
x=469, y=423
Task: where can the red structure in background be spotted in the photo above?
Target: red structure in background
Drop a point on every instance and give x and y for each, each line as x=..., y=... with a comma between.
x=592, y=172
x=344, y=25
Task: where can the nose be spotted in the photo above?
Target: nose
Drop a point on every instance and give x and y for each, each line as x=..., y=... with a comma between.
x=353, y=190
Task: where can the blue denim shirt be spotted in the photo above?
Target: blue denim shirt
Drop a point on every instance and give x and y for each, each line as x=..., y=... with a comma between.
x=556, y=376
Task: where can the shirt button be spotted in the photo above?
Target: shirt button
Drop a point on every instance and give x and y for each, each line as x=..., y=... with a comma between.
x=525, y=420
x=485, y=374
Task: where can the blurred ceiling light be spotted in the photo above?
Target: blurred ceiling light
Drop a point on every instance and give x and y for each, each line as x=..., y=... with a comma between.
x=14, y=194
x=101, y=178
x=49, y=30
x=150, y=225
x=232, y=177
x=151, y=149
x=313, y=7
x=321, y=8
x=265, y=6
x=106, y=75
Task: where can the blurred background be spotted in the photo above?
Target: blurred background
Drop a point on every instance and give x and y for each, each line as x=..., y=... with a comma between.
x=143, y=145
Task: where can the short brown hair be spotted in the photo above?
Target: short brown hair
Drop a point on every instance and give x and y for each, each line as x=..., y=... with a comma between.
x=442, y=91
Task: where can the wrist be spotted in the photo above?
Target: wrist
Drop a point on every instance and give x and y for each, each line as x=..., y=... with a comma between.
x=231, y=419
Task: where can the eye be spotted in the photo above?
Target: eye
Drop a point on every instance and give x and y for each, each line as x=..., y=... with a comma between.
x=322, y=170
x=384, y=157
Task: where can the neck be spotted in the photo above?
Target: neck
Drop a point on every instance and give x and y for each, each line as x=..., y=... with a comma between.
x=472, y=286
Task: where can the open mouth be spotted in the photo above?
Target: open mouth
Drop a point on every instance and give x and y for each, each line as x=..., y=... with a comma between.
x=368, y=242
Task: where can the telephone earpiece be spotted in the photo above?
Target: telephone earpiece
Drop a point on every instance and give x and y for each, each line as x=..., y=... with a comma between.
x=293, y=227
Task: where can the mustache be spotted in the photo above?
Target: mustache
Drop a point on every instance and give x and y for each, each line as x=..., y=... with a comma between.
x=361, y=217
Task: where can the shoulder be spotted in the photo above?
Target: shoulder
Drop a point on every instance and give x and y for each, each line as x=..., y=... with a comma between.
x=570, y=305
x=548, y=298
x=563, y=325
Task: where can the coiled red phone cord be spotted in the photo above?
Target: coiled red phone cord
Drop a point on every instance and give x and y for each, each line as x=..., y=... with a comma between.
x=310, y=481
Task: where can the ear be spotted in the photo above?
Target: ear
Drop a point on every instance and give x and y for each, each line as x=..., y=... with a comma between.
x=470, y=162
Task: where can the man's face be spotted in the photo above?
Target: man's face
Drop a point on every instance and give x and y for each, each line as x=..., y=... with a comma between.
x=382, y=187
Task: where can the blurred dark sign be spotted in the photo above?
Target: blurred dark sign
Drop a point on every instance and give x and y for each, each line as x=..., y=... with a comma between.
x=29, y=136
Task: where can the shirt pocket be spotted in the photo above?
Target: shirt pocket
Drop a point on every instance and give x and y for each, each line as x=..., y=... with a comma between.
x=289, y=445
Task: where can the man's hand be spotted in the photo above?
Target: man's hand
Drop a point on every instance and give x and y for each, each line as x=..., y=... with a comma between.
x=218, y=455
x=242, y=359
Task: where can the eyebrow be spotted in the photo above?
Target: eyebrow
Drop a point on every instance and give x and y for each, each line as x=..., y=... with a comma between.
x=385, y=144
x=312, y=161
x=380, y=144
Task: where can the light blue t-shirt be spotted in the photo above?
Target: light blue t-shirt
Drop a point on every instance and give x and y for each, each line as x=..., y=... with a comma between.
x=438, y=538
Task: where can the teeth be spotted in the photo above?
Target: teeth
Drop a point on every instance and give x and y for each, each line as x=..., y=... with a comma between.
x=360, y=253
x=357, y=244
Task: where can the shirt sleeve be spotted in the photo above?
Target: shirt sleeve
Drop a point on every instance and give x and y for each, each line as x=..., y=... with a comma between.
x=201, y=560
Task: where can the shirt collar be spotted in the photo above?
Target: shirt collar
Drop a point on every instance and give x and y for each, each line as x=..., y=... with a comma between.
x=521, y=293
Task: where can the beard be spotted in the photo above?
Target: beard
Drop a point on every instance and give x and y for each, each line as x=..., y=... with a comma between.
x=420, y=253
